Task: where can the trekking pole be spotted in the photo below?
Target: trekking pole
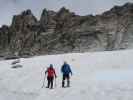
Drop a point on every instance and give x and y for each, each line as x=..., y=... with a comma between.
x=43, y=81
x=42, y=71
x=55, y=83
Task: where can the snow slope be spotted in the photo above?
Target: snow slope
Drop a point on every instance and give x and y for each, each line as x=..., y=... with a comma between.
x=96, y=76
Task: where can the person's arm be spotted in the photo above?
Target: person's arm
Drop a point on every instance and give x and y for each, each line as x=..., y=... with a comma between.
x=70, y=70
x=55, y=74
x=46, y=71
x=62, y=69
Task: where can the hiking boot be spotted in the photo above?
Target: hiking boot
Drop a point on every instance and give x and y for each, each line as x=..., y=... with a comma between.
x=68, y=83
x=63, y=83
x=47, y=87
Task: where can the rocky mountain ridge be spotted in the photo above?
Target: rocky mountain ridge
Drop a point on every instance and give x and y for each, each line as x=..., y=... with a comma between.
x=64, y=31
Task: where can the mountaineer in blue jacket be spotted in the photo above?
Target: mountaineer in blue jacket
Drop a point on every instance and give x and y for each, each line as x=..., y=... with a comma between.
x=66, y=71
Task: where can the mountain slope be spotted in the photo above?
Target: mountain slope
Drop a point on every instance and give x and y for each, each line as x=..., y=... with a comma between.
x=64, y=31
x=96, y=76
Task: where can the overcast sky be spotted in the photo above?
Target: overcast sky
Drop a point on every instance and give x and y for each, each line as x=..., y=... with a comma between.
x=8, y=8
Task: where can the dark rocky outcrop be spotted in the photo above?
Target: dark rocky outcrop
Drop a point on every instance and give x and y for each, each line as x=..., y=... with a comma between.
x=64, y=31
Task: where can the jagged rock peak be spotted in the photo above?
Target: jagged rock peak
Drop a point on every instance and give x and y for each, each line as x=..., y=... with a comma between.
x=128, y=5
x=26, y=17
x=126, y=8
x=4, y=27
x=63, y=10
x=45, y=11
x=47, y=19
x=27, y=12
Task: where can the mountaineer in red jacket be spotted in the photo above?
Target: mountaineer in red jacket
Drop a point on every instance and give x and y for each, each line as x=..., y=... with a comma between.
x=50, y=76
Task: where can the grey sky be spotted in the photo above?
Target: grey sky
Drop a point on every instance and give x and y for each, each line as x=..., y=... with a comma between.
x=8, y=8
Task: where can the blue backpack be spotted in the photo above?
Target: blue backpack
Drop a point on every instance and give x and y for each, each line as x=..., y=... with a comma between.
x=66, y=69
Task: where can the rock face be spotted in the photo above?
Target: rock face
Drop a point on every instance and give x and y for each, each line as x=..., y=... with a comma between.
x=64, y=31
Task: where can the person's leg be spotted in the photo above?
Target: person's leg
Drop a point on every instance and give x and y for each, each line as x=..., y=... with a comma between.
x=48, y=84
x=68, y=80
x=52, y=78
x=63, y=80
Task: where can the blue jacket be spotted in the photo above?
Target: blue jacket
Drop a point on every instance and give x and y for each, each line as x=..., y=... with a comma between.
x=65, y=69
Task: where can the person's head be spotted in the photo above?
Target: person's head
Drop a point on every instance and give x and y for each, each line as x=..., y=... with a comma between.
x=51, y=66
x=65, y=62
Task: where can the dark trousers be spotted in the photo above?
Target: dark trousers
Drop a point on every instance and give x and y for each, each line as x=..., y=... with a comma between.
x=66, y=76
x=50, y=82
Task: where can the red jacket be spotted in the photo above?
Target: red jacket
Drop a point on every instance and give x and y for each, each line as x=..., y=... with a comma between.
x=51, y=72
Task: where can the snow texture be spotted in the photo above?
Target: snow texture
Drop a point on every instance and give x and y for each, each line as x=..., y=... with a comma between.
x=96, y=76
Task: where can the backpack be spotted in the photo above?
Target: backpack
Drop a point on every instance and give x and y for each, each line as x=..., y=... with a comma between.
x=51, y=72
x=66, y=69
